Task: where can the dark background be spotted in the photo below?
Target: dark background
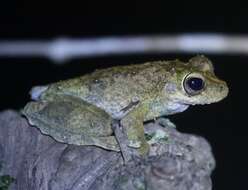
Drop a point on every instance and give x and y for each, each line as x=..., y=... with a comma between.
x=223, y=124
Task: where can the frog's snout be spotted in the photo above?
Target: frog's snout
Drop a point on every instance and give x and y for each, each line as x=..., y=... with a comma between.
x=223, y=89
x=214, y=93
x=219, y=92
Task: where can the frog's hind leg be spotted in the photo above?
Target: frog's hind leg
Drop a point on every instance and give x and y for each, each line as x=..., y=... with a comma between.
x=106, y=142
x=64, y=136
x=72, y=121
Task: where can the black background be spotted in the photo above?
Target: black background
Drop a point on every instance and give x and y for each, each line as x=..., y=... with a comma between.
x=223, y=124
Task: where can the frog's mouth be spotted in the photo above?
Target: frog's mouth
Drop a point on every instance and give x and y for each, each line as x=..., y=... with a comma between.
x=196, y=103
x=206, y=102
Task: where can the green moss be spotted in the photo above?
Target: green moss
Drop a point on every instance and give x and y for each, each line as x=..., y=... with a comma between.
x=5, y=180
x=149, y=136
x=139, y=185
x=164, y=140
x=123, y=179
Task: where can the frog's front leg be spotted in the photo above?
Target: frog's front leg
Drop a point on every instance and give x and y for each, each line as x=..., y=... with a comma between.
x=132, y=124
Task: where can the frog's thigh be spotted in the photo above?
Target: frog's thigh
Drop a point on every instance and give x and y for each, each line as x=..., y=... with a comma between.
x=95, y=124
x=89, y=119
x=133, y=126
x=73, y=122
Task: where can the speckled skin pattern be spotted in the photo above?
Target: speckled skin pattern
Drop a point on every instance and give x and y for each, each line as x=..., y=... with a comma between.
x=80, y=110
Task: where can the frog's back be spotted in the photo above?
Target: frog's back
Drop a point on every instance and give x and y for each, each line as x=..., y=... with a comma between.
x=114, y=89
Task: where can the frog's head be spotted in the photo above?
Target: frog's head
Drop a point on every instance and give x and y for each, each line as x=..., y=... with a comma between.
x=195, y=83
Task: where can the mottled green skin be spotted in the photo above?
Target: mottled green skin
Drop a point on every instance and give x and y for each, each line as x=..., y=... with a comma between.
x=132, y=94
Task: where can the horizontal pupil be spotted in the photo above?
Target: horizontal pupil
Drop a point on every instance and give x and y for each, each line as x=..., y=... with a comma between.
x=195, y=83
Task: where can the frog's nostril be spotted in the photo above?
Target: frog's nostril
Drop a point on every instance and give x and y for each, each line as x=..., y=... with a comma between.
x=222, y=87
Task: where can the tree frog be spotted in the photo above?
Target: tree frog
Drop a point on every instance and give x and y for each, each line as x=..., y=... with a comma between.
x=80, y=110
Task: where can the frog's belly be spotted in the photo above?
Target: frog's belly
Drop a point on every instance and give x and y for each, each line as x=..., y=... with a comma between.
x=158, y=109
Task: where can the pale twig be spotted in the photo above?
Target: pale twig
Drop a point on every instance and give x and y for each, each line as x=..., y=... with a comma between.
x=63, y=49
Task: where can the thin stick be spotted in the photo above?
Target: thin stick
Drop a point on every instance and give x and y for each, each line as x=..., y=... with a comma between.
x=64, y=49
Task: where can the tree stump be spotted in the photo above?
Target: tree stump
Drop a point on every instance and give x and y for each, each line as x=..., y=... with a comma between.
x=38, y=162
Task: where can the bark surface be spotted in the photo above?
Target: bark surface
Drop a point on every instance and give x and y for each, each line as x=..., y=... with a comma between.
x=37, y=162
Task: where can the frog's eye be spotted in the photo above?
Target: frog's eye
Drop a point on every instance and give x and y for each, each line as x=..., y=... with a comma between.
x=193, y=84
